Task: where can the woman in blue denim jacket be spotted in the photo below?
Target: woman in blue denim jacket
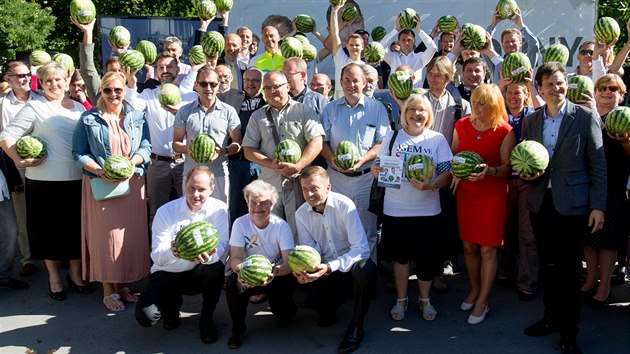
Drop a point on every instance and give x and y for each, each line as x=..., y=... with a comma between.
x=115, y=241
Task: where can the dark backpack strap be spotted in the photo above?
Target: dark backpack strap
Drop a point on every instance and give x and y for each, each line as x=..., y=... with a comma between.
x=274, y=131
x=458, y=108
x=391, y=142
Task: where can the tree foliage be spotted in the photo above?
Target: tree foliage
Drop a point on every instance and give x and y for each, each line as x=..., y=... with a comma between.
x=24, y=26
x=620, y=11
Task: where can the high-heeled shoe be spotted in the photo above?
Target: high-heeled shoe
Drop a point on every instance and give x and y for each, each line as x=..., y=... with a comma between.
x=473, y=320
x=598, y=304
x=58, y=296
x=83, y=289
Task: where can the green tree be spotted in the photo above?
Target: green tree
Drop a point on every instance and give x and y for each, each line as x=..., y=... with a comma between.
x=620, y=11
x=24, y=26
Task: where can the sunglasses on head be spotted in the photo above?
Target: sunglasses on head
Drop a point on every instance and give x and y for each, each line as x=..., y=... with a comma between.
x=20, y=76
x=206, y=84
x=608, y=88
x=117, y=90
x=586, y=51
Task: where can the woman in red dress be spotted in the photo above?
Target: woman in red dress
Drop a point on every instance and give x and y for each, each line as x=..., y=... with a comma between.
x=482, y=197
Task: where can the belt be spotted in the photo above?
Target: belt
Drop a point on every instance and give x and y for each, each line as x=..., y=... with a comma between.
x=166, y=158
x=356, y=173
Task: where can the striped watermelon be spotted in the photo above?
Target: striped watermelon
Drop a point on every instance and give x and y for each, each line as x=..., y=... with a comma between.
x=65, y=61
x=606, y=30
x=169, y=94
x=374, y=53
x=337, y=2
x=133, y=59
x=378, y=33
x=346, y=154
x=557, y=52
x=213, y=43
x=83, y=10
x=407, y=18
x=529, y=157
x=304, y=23
x=302, y=39
x=148, y=50
x=418, y=91
x=255, y=270
x=578, y=85
x=618, y=121
x=31, y=147
x=401, y=84
x=288, y=151
x=309, y=52
x=420, y=167
x=291, y=47
x=516, y=67
x=119, y=37
x=196, y=56
x=474, y=36
x=117, y=167
x=304, y=258
x=202, y=148
x=447, y=23
x=207, y=10
x=507, y=9
x=39, y=57
x=349, y=13
x=195, y=239
x=224, y=5
x=464, y=163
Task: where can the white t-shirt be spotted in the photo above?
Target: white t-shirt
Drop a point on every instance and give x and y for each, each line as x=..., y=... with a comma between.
x=269, y=242
x=341, y=60
x=409, y=201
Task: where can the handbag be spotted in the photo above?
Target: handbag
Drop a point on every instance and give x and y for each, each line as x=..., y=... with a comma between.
x=103, y=190
x=377, y=193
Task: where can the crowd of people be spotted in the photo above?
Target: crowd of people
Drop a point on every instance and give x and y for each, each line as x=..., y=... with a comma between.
x=577, y=209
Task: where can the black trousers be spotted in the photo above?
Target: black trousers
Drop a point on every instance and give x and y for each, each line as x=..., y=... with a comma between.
x=162, y=298
x=559, y=240
x=279, y=293
x=328, y=292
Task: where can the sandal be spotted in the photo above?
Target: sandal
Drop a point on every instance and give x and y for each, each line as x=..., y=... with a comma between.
x=428, y=311
x=398, y=311
x=113, y=303
x=126, y=295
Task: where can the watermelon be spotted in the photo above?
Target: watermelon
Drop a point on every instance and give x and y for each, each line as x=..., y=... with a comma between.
x=195, y=239
x=39, y=57
x=578, y=85
x=133, y=59
x=203, y=148
x=618, y=121
x=401, y=84
x=420, y=167
x=119, y=37
x=65, y=61
x=407, y=18
x=291, y=47
x=309, y=52
x=557, y=52
x=213, y=43
x=117, y=167
x=31, y=147
x=304, y=258
x=288, y=151
x=196, y=56
x=224, y=5
x=419, y=91
x=337, y=2
x=169, y=94
x=447, y=24
x=374, y=53
x=378, y=33
x=148, y=50
x=516, y=67
x=506, y=9
x=255, y=270
x=529, y=157
x=304, y=23
x=466, y=162
x=346, y=154
x=606, y=30
x=474, y=36
x=302, y=39
x=349, y=13
x=83, y=10
x=207, y=10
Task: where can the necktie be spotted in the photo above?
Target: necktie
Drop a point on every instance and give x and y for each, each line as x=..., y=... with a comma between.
x=235, y=78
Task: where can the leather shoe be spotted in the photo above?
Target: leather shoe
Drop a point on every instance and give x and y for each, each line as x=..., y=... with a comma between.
x=208, y=332
x=28, y=269
x=235, y=341
x=58, y=296
x=14, y=284
x=351, y=341
x=541, y=328
x=569, y=345
x=171, y=323
x=83, y=289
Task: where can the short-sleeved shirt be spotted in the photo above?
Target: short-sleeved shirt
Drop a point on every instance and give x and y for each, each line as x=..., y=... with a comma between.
x=269, y=242
x=342, y=59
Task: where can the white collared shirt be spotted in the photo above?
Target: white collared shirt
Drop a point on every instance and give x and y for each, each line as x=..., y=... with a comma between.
x=11, y=105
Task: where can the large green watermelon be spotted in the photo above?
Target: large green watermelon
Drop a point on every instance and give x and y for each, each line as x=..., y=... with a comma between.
x=420, y=167
x=401, y=84
x=337, y=2
x=117, y=167
x=447, y=23
x=119, y=37
x=374, y=53
x=618, y=121
x=506, y=9
x=83, y=10
x=207, y=9
x=169, y=94
x=578, y=85
x=65, y=61
x=378, y=33
x=195, y=239
x=291, y=47
x=407, y=18
x=557, y=52
x=31, y=147
x=202, y=148
x=148, y=50
x=349, y=13
x=529, y=157
x=309, y=52
x=466, y=162
x=133, y=59
x=196, y=56
x=516, y=67
x=346, y=154
x=304, y=258
x=304, y=23
x=302, y=39
x=474, y=36
x=213, y=43
x=224, y=5
x=255, y=270
x=288, y=151
x=39, y=57
x=606, y=30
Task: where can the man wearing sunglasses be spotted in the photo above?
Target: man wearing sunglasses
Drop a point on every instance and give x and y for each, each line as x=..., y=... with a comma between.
x=585, y=59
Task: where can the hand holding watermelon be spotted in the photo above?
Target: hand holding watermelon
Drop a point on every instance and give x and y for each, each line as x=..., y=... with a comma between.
x=84, y=27
x=202, y=258
x=478, y=176
x=305, y=277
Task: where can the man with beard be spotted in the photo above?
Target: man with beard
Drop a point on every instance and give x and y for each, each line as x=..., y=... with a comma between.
x=271, y=59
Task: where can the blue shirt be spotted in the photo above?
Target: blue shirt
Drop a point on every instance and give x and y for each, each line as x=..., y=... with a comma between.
x=517, y=122
x=551, y=127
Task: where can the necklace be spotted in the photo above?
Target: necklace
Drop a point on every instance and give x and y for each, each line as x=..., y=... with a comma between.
x=479, y=132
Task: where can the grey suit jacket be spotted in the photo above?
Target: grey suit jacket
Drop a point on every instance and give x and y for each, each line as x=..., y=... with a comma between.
x=578, y=167
x=234, y=98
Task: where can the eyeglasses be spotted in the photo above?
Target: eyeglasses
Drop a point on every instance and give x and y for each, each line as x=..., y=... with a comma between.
x=20, y=76
x=252, y=80
x=206, y=84
x=291, y=73
x=274, y=87
x=264, y=204
x=117, y=90
x=608, y=88
x=585, y=51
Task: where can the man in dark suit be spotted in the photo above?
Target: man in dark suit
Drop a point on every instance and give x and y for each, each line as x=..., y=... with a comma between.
x=565, y=200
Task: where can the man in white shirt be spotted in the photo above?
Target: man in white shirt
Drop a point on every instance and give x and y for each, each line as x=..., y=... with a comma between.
x=172, y=277
x=173, y=45
x=354, y=45
x=330, y=223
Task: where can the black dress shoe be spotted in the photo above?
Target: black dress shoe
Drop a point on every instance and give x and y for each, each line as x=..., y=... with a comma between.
x=569, y=345
x=171, y=323
x=208, y=332
x=83, y=289
x=597, y=304
x=541, y=328
x=352, y=340
x=28, y=269
x=235, y=341
x=58, y=296
x=14, y=284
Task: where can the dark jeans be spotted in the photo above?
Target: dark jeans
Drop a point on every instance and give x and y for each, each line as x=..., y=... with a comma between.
x=279, y=293
x=162, y=298
x=327, y=293
x=242, y=172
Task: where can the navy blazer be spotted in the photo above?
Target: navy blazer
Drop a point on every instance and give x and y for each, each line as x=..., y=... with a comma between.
x=9, y=171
